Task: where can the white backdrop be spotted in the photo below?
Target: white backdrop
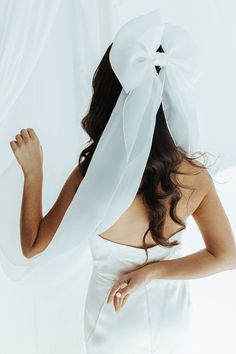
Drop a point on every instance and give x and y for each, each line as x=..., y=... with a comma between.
x=48, y=53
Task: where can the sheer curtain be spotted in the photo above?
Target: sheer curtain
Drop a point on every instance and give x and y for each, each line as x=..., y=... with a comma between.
x=25, y=26
x=48, y=53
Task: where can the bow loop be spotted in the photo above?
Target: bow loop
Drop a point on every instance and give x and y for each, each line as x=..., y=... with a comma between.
x=129, y=55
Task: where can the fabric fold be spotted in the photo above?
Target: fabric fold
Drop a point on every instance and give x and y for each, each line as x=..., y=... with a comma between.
x=25, y=29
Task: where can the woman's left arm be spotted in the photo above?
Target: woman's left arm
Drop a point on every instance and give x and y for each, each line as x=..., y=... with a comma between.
x=218, y=256
x=220, y=252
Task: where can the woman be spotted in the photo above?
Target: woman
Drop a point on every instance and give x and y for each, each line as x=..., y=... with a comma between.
x=138, y=263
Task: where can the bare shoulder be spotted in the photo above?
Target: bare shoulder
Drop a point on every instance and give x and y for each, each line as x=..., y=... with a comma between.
x=195, y=175
x=194, y=181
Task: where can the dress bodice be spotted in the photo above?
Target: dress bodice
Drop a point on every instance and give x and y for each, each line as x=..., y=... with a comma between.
x=111, y=258
x=154, y=312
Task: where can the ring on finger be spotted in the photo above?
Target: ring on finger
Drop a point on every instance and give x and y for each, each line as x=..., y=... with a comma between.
x=123, y=285
x=118, y=294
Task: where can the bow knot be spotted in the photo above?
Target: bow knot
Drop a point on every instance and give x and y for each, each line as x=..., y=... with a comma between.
x=159, y=59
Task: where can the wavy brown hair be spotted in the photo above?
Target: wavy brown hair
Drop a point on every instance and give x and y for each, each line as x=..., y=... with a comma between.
x=164, y=157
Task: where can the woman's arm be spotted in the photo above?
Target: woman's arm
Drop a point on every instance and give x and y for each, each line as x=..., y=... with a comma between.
x=31, y=210
x=51, y=221
x=196, y=265
x=219, y=254
x=37, y=231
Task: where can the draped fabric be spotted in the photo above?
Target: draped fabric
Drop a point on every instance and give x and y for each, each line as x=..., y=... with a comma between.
x=46, y=64
x=80, y=77
x=24, y=29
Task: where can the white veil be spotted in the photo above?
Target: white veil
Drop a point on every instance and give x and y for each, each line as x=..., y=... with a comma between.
x=102, y=197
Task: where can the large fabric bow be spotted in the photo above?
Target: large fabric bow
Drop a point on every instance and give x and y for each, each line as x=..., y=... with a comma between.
x=133, y=58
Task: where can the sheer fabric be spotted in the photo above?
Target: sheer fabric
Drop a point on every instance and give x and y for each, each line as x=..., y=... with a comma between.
x=24, y=29
x=59, y=112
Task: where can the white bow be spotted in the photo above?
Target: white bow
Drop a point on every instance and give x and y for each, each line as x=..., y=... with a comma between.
x=133, y=58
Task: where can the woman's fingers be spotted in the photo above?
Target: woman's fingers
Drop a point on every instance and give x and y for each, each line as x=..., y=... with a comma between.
x=32, y=133
x=13, y=145
x=19, y=139
x=119, y=293
x=114, y=289
x=27, y=150
x=116, y=302
x=118, y=299
x=124, y=300
x=25, y=135
x=122, y=294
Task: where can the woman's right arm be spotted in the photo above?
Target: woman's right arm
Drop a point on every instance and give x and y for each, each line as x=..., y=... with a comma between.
x=48, y=224
x=37, y=231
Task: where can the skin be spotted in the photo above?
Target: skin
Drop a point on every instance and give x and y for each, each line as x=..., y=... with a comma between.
x=37, y=230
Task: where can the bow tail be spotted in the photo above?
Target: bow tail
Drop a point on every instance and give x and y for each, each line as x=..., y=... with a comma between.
x=180, y=112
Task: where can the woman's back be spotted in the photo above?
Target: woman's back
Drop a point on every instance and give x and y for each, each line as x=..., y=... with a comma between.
x=134, y=222
x=159, y=310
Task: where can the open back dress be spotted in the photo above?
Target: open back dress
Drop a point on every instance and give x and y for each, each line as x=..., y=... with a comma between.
x=155, y=318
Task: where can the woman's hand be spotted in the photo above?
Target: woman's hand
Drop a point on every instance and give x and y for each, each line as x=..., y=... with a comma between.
x=127, y=284
x=28, y=151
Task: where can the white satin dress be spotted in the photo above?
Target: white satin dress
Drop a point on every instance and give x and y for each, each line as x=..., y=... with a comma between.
x=155, y=318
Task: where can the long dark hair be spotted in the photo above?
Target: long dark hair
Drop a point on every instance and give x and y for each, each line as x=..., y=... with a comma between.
x=163, y=160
